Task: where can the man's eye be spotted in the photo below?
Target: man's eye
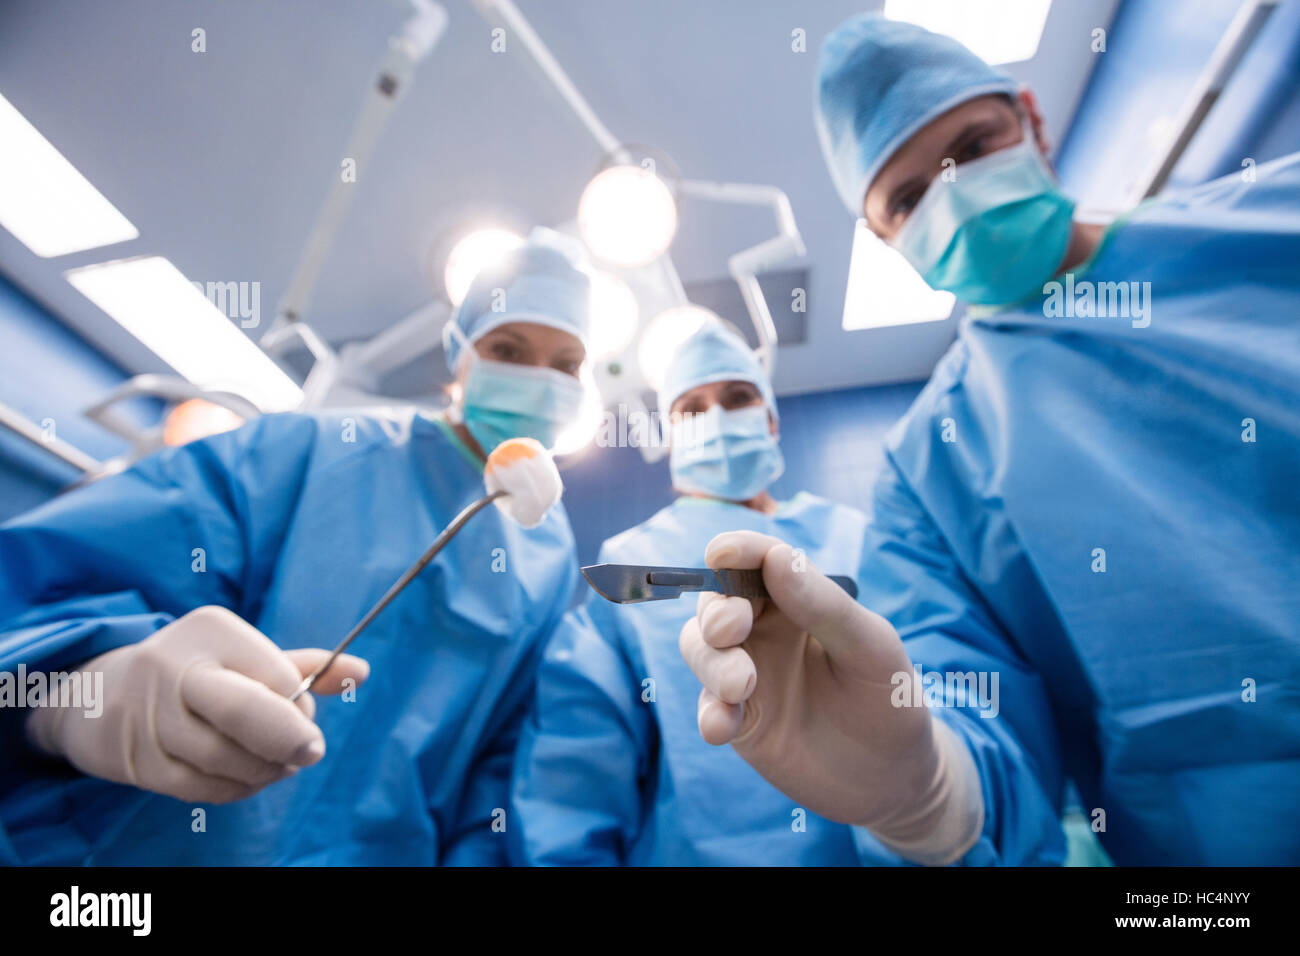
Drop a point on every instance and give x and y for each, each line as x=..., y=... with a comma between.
x=904, y=205
x=973, y=150
x=568, y=368
x=505, y=352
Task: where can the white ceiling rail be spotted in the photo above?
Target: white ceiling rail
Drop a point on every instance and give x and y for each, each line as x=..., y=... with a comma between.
x=106, y=413
x=363, y=363
x=40, y=437
x=169, y=388
x=1227, y=56
x=783, y=249
x=667, y=274
x=145, y=440
x=744, y=265
x=413, y=42
x=504, y=13
x=324, y=369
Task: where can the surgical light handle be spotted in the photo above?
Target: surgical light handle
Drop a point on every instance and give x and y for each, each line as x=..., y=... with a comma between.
x=419, y=34
x=745, y=265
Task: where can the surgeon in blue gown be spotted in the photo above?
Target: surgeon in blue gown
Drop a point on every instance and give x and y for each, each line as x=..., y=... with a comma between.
x=304, y=520
x=611, y=769
x=1096, y=498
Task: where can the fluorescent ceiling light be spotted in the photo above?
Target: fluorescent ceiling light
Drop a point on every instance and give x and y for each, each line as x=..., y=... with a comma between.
x=150, y=298
x=997, y=31
x=884, y=289
x=50, y=207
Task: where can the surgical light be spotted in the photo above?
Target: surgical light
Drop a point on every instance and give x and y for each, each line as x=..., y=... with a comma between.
x=664, y=334
x=885, y=290
x=578, y=435
x=151, y=299
x=614, y=316
x=627, y=216
x=471, y=254
x=997, y=31
x=44, y=201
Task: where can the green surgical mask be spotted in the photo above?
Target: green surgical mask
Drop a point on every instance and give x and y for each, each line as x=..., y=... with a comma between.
x=504, y=400
x=994, y=234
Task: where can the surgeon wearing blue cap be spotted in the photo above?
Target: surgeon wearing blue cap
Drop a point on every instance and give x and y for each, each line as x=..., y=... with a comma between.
x=611, y=769
x=190, y=595
x=515, y=344
x=1090, y=508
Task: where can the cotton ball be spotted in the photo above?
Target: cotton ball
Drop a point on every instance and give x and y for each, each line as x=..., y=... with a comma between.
x=522, y=468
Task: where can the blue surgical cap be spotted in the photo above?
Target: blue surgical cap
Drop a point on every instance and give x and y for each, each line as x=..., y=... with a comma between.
x=878, y=82
x=543, y=281
x=713, y=354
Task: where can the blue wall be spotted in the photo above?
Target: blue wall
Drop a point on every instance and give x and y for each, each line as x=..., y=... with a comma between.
x=46, y=372
x=832, y=446
x=1155, y=50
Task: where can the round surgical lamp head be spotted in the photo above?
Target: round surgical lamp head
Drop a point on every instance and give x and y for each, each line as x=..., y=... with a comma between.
x=664, y=334
x=614, y=316
x=472, y=253
x=627, y=216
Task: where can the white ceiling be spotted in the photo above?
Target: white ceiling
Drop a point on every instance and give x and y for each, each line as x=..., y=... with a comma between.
x=221, y=158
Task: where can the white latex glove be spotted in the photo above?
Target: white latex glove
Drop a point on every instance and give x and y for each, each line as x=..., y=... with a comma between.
x=801, y=687
x=198, y=711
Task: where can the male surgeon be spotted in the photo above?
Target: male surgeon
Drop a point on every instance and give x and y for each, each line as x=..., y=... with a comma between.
x=1097, y=508
x=611, y=769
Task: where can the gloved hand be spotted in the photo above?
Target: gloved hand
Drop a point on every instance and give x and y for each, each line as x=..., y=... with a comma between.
x=801, y=687
x=198, y=711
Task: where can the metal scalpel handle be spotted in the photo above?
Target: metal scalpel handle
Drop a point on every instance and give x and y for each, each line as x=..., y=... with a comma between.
x=438, y=544
x=635, y=583
x=747, y=584
x=734, y=583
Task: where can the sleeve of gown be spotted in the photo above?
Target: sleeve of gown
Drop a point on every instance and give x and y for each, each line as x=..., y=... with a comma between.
x=910, y=576
x=109, y=564
x=583, y=755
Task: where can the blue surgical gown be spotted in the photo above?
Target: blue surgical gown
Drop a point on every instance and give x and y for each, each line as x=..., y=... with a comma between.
x=611, y=767
x=298, y=523
x=1105, y=512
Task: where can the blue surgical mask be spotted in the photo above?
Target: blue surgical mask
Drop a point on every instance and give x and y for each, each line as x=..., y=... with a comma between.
x=727, y=454
x=996, y=233
x=503, y=400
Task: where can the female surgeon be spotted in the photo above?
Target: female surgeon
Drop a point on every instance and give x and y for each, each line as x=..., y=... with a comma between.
x=611, y=769
x=191, y=588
